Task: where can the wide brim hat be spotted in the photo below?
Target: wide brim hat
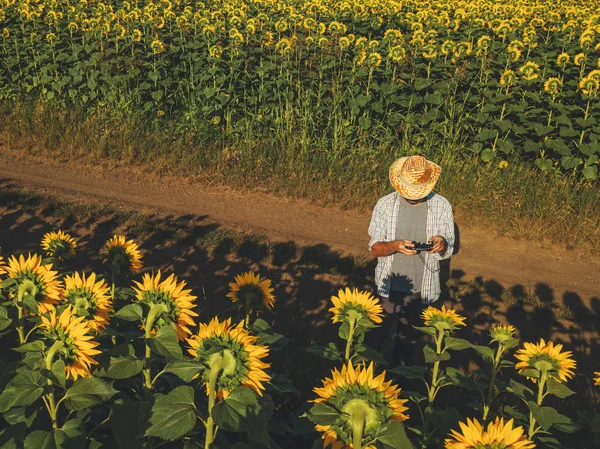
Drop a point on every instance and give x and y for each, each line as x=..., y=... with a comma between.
x=414, y=177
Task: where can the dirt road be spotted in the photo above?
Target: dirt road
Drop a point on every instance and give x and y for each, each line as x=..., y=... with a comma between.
x=507, y=261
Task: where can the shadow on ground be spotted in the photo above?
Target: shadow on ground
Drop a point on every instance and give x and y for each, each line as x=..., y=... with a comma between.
x=304, y=277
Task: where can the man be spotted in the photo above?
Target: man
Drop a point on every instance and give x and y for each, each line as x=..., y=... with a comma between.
x=407, y=280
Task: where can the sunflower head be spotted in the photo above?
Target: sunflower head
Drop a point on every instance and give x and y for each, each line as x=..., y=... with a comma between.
x=547, y=359
x=122, y=255
x=88, y=298
x=530, y=71
x=597, y=378
x=508, y=78
x=446, y=320
x=553, y=85
x=374, y=59
x=397, y=53
x=250, y=291
x=58, y=245
x=174, y=303
x=231, y=353
x=579, y=59
x=563, y=59
x=358, y=306
x=589, y=85
x=502, y=333
x=363, y=399
x=499, y=434
x=32, y=284
x=78, y=346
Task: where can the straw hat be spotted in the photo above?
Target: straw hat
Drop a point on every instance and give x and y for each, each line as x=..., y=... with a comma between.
x=414, y=177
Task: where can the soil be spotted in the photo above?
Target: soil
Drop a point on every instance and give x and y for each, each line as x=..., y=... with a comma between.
x=480, y=253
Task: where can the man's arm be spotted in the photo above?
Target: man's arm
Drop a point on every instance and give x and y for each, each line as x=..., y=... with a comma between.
x=447, y=234
x=384, y=249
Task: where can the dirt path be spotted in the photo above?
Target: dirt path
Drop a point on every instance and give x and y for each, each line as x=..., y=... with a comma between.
x=504, y=260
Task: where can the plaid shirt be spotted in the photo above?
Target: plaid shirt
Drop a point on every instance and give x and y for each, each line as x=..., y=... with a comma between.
x=440, y=221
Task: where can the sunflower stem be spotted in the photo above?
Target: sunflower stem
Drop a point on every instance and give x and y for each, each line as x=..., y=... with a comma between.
x=540, y=398
x=20, y=326
x=436, y=367
x=50, y=401
x=358, y=425
x=215, y=370
x=352, y=325
x=155, y=311
x=490, y=395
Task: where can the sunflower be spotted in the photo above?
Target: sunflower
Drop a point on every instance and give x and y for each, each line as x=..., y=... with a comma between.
x=374, y=59
x=442, y=318
x=364, y=303
x=579, y=59
x=179, y=303
x=78, y=346
x=157, y=46
x=357, y=391
x=562, y=59
x=122, y=254
x=58, y=244
x=447, y=47
x=597, y=378
x=553, y=85
x=89, y=299
x=589, y=86
x=530, y=70
x=30, y=276
x=508, y=78
x=2, y=271
x=397, y=53
x=594, y=74
x=502, y=165
x=250, y=290
x=497, y=435
x=546, y=357
x=502, y=333
x=240, y=358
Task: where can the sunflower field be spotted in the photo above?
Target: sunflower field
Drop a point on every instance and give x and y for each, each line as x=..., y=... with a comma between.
x=125, y=359
x=501, y=80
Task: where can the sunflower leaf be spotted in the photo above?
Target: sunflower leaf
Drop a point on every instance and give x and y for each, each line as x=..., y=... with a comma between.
x=519, y=389
x=393, y=435
x=184, y=369
x=323, y=414
x=128, y=421
x=545, y=416
x=409, y=372
x=34, y=346
x=558, y=389
x=173, y=414
x=485, y=351
x=5, y=321
x=426, y=330
x=165, y=343
x=131, y=312
x=329, y=352
x=86, y=392
x=457, y=344
x=431, y=356
x=23, y=389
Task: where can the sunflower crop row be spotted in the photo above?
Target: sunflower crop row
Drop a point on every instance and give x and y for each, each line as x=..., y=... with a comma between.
x=496, y=78
x=91, y=347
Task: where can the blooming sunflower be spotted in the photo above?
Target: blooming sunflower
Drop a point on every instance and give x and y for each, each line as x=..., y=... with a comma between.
x=179, y=303
x=589, y=86
x=357, y=391
x=442, y=318
x=89, y=299
x=33, y=278
x=374, y=59
x=240, y=358
x=362, y=302
x=597, y=378
x=123, y=254
x=397, y=53
x=562, y=59
x=579, y=59
x=553, y=85
x=546, y=357
x=250, y=290
x=508, y=78
x=78, y=347
x=530, y=70
x=58, y=244
x=497, y=435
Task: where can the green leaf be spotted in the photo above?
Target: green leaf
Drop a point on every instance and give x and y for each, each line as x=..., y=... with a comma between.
x=590, y=172
x=86, y=392
x=432, y=357
x=30, y=304
x=518, y=416
x=543, y=164
x=34, y=346
x=173, y=414
x=128, y=422
x=487, y=155
x=165, y=343
x=369, y=354
x=57, y=375
x=558, y=389
x=5, y=321
x=409, y=372
x=457, y=344
x=485, y=351
x=394, y=435
x=70, y=436
x=460, y=379
x=429, y=330
x=545, y=416
x=323, y=414
x=565, y=424
x=531, y=372
x=18, y=415
x=131, y=312
x=23, y=389
x=519, y=389
x=282, y=385
x=327, y=352
x=121, y=368
x=184, y=369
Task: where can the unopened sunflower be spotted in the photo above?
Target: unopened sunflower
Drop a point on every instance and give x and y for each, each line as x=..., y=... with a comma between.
x=174, y=303
x=122, y=254
x=362, y=399
x=239, y=362
x=364, y=304
x=249, y=290
x=89, y=299
x=58, y=244
x=502, y=333
x=546, y=358
x=78, y=346
x=32, y=278
x=444, y=319
x=499, y=434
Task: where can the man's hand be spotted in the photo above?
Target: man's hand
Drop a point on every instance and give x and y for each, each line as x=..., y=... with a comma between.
x=439, y=245
x=404, y=247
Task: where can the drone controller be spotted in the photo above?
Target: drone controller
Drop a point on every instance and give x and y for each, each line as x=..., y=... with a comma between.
x=418, y=246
